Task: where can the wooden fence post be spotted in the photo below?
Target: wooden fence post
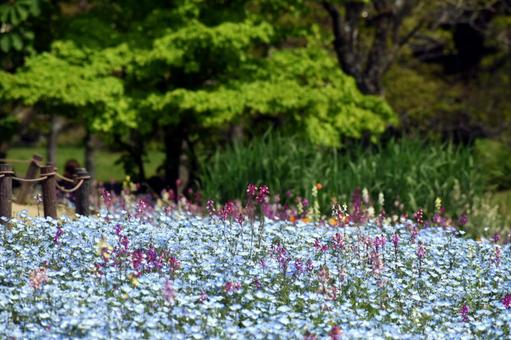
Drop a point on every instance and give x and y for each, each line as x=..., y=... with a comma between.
x=26, y=187
x=83, y=192
x=49, y=191
x=5, y=191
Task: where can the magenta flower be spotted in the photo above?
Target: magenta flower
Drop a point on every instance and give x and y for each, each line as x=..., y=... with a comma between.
x=231, y=287
x=419, y=217
x=264, y=191
x=210, y=207
x=506, y=301
x=251, y=190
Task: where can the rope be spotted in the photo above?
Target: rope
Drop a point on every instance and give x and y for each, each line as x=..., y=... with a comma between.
x=32, y=180
x=21, y=161
x=2, y=176
x=64, y=178
x=70, y=190
x=7, y=172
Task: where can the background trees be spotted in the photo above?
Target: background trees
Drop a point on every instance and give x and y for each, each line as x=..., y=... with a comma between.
x=187, y=75
x=173, y=73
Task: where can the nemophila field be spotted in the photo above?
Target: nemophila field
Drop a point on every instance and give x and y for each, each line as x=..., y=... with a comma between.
x=162, y=272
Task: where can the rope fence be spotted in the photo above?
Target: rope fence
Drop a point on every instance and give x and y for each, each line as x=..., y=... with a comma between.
x=64, y=178
x=47, y=177
x=69, y=191
x=14, y=161
x=29, y=180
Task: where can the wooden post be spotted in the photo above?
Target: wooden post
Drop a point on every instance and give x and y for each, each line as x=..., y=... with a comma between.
x=83, y=193
x=49, y=191
x=5, y=191
x=26, y=187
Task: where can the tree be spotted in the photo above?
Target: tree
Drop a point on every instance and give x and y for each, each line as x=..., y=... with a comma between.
x=369, y=35
x=164, y=72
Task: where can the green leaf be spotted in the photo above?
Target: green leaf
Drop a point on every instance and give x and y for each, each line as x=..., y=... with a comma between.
x=15, y=20
x=5, y=43
x=17, y=42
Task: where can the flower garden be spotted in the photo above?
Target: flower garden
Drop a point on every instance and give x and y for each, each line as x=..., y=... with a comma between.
x=252, y=270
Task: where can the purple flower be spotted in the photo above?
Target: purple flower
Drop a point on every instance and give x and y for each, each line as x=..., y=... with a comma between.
x=463, y=220
x=169, y=293
x=421, y=251
x=118, y=230
x=299, y=269
x=379, y=242
x=498, y=254
x=58, y=234
x=240, y=219
x=309, y=265
x=496, y=237
x=257, y=284
x=338, y=241
x=395, y=240
x=413, y=234
x=506, y=301
x=203, y=297
x=174, y=264
x=464, y=310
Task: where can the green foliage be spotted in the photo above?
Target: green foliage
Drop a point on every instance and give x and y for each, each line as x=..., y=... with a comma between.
x=15, y=32
x=304, y=87
x=209, y=73
x=410, y=172
x=495, y=158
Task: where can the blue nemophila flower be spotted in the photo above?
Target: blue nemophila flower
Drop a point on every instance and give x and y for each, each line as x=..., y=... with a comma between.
x=173, y=274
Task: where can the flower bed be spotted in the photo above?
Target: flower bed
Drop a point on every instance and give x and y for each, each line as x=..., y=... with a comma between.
x=173, y=273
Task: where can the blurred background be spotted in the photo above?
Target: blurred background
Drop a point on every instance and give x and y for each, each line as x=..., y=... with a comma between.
x=409, y=98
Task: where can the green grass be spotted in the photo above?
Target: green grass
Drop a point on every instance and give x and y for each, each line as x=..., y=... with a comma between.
x=106, y=169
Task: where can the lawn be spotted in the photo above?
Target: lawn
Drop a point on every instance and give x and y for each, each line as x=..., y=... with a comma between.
x=106, y=169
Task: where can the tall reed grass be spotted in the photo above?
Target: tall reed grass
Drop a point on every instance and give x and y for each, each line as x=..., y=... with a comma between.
x=410, y=172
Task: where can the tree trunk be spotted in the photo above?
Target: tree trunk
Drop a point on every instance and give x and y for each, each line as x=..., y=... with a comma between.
x=368, y=64
x=173, y=146
x=89, y=156
x=51, y=142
